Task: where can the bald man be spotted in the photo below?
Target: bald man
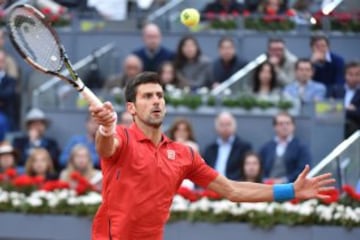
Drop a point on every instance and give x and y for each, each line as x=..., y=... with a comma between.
x=131, y=67
x=152, y=54
x=227, y=152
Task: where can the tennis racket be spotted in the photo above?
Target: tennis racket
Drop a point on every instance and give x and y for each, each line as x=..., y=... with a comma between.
x=39, y=45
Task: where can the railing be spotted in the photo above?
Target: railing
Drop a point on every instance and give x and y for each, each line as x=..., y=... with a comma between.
x=343, y=162
x=238, y=81
x=55, y=83
x=164, y=10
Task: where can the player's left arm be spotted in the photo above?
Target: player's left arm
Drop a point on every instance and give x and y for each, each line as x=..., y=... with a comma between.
x=302, y=188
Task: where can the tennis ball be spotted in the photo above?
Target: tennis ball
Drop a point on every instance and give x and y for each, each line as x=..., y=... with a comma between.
x=190, y=17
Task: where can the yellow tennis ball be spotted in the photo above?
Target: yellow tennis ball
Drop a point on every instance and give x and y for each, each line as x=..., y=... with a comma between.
x=190, y=17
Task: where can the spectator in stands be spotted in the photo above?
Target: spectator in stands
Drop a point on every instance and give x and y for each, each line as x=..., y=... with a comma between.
x=11, y=67
x=272, y=7
x=132, y=66
x=126, y=119
x=251, y=170
x=252, y=5
x=169, y=77
x=191, y=64
x=329, y=67
x=87, y=140
x=8, y=157
x=350, y=93
x=40, y=164
x=265, y=84
x=305, y=88
x=4, y=126
x=284, y=156
x=282, y=59
x=7, y=92
x=222, y=7
x=36, y=124
x=226, y=64
x=181, y=131
x=228, y=151
x=153, y=54
x=80, y=161
x=303, y=12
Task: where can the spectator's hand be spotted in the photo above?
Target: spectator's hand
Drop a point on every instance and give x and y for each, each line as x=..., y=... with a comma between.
x=274, y=61
x=306, y=188
x=104, y=115
x=318, y=56
x=34, y=134
x=351, y=107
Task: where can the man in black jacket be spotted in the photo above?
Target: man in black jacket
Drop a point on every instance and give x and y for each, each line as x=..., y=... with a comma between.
x=227, y=152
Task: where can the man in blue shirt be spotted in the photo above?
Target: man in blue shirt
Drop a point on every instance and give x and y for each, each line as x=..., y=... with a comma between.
x=153, y=54
x=304, y=88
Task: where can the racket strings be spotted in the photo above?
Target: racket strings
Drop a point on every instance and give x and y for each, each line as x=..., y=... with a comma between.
x=34, y=39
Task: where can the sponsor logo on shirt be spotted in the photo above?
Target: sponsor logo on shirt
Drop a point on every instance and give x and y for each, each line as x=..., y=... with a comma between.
x=171, y=154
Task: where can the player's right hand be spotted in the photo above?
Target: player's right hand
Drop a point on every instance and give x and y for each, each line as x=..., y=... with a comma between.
x=104, y=115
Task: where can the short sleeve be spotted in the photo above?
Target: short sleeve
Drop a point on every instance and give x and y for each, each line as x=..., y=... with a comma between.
x=121, y=136
x=201, y=173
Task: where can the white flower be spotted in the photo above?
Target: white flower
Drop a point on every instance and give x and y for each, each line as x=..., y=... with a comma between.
x=169, y=88
x=53, y=202
x=16, y=202
x=179, y=204
x=91, y=198
x=202, y=91
x=227, y=92
x=4, y=197
x=73, y=200
x=34, y=201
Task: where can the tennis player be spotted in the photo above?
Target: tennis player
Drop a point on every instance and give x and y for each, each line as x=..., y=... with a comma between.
x=143, y=169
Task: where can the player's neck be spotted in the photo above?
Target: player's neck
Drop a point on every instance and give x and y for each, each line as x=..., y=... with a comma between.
x=151, y=132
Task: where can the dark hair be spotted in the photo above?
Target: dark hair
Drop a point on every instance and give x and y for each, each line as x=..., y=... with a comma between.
x=226, y=39
x=180, y=58
x=275, y=40
x=286, y=114
x=318, y=37
x=303, y=60
x=176, y=124
x=256, y=78
x=352, y=64
x=177, y=80
x=142, y=78
x=258, y=178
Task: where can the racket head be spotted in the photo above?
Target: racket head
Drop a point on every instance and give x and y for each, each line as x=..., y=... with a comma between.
x=34, y=38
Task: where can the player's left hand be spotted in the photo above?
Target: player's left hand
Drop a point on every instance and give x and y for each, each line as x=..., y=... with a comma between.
x=306, y=188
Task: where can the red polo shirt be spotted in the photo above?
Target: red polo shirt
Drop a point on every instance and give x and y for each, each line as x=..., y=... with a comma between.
x=139, y=183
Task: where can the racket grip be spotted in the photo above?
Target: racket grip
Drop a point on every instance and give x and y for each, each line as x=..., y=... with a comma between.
x=90, y=97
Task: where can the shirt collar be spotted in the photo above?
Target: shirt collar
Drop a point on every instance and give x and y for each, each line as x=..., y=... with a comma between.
x=229, y=141
x=328, y=57
x=140, y=136
x=288, y=139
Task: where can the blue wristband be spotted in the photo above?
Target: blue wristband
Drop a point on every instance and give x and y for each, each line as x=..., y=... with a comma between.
x=283, y=192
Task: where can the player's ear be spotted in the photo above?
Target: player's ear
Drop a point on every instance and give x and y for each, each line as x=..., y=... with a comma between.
x=130, y=108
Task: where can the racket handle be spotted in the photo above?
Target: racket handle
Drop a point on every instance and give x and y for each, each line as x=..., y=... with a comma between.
x=90, y=97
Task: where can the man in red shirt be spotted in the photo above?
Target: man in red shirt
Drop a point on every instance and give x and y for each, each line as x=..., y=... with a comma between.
x=143, y=169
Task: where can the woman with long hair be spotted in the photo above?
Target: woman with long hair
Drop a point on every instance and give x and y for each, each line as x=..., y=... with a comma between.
x=264, y=84
x=181, y=131
x=168, y=76
x=251, y=169
x=80, y=162
x=40, y=164
x=191, y=64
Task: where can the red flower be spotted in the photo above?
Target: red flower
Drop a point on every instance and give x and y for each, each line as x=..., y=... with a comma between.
x=188, y=194
x=223, y=13
x=23, y=181
x=269, y=19
x=295, y=201
x=343, y=17
x=246, y=13
x=210, y=15
x=270, y=11
x=210, y=194
x=10, y=173
x=2, y=177
x=53, y=185
x=54, y=18
x=351, y=192
x=75, y=175
x=61, y=10
x=290, y=13
x=38, y=180
x=235, y=13
x=333, y=196
x=46, y=11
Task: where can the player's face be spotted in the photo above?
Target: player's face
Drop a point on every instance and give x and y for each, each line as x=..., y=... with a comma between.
x=149, y=107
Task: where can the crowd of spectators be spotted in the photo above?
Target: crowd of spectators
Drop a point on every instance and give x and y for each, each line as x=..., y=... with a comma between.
x=323, y=74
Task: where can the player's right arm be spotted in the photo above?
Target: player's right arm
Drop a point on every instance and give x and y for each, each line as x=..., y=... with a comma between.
x=105, y=140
